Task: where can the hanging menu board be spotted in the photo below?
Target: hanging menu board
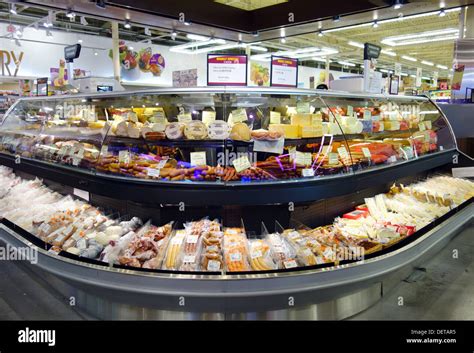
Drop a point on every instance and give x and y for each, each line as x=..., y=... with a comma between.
x=226, y=70
x=284, y=72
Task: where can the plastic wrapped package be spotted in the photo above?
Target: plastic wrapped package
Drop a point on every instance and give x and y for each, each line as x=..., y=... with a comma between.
x=174, y=251
x=260, y=256
x=283, y=253
x=211, y=255
x=235, y=250
x=303, y=253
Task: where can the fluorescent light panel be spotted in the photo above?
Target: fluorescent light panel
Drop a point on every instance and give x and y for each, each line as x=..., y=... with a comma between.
x=414, y=38
x=409, y=58
x=429, y=63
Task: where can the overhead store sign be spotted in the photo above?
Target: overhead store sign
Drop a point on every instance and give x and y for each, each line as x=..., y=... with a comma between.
x=72, y=52
x=371, y=51
x=284, y=72
x=10, y=62
x=226, y=70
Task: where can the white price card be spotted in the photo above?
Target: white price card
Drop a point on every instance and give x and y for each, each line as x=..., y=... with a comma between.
x=275, y=118
x=162, y=163
x=153, y=172
x=256, y=254
x=124, y=157
x=422, y=126
x=239, y=115
x=185, y=118
x=192, y=239
x=236, y=256
x=333, y=158
x=208, y=117
x=292, y=153
x=307, y=172
x=392, y=159
x=81, y=193
x=367, y=114
x=350, y=110
x=303, y=108
x=275, y=146
x=198, y=158
x=241, y=164
x=213, y=266
x=290, y=264
x=343, y=152
x=366, y=152
x=304, y=158
x=189, y=259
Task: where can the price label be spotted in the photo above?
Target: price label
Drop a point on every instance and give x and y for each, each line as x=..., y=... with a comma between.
x=83, y=194
x=241, y=164
x=333, y=158
x=422, y=126
x=428, y=125
x=198, y=158
x=319, y=260
x=208, y=117
x=256, y=254
x=124, y=157
x=63, y=151
x=161, y=164
x=189, y=259
x=153, y=172
x=366, y=152
x=350, y=110
x=177, y=240
x=185, y=118
x=343, y=152
x=290, y=264
x=275, y=118
x=392, y=159
x=367, y=114
x=303, y=108
x=304, y=158
x=213, y=266
x=307, y=172
x=292, y=153
x=239, y=115
x=236, y=256
x=192, y=239
x=326, y=150
x=328, y=253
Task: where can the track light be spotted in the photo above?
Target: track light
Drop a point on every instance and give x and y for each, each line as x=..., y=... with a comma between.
x=13, y=9
x=96, y=53
x=49, y=20
x=173, y=35
x=70, y=14
x=336, y=18
x=100, y=4
x=442, y=13
x=186, y=23
x=147, y=31
x=283, y=40
x=19, y=32
x=397, y=4
x=127, y=24
x=79, y=40
x=84, y=21
x=375, y=24
x=130, y=47
x=320, y=33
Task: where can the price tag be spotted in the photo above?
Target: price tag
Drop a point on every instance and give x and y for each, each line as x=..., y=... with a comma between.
x=189, y=259
x=239, y=115
x=124, y=157
x=292, y=153
x=185, y=118
x=275, y=118
x=307, y=172
x=333, y=158
x=63, y=151
x=236, y=256
x=366, y=152
x=328, y=253
x=392, y=159
x=304, y=158
x=343, y=152
x=45, y=228
x=153, y=172
x=256, y=254
x=367, y=114
x=350, y=110
x=81, y=193
x=208, y=117
x=303, y=108
x=326, y=150
x=161, y=164
x=319, y=260
x=428, y=125
x=213, y=265
x=177, y=240
x=241, y=164
x=160, y=120
x=290, y=264
x=192, y=239
x=422, y=126
x=198, y=158
x=104, y=151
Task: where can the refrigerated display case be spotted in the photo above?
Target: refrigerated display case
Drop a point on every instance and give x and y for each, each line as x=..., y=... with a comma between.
x=283, y=177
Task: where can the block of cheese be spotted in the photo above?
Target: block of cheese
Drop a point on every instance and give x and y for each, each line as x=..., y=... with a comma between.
x=310, y=131
x=290, y=131
x=334, y=129
x=301, y=119
x=391, y=125
x=325, y=128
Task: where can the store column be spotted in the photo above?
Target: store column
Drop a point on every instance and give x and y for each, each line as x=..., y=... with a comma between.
x=115, y=50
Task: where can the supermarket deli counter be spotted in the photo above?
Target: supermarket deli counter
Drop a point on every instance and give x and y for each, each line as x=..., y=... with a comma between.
x=228, y=203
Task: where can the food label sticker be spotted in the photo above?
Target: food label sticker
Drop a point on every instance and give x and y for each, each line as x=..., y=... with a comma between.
x=328, y=253
x=428, y=124
x=275, y=118
x=307, y=252
x=189, y=259
x=161, y=164
x=63, y=151
x=441, y=148
x=198, y=158
x=239, y=115
x=392, y=159
x=241, y=164
x=366, y=152
x=294, y=235
x=422, y=126
x=124, y=157
x=185, y=118
x=192, y=239
x=303, y=108
x=367, y=114
x=292, y=153
x=333, y=158
x=213, y=265
x=290, y=264
x=76, y=161
x=177, y=240
x=256, y=254
x=236, y=256
x=54, y=250
x=350, y=110
x=109, y=223
x=153, y=172
x=45, y=228
x=326, y=150
x=343, y=152
x=212, y=248
x=208, y=117
x=307, y=172
x=83, y=194
x=303, y=158
x=319, y=260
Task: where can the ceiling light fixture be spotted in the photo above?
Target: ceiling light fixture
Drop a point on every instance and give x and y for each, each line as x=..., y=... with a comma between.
x=70, y=14
x=13, y=9
x=258, y=48
x=375, y=24
x=346, y=63
x=84, y=21
x=415, y=38
x=187, y=23
x=173, y=34
x=196, y=37
x=182, y=48
x=130, y=47
x=49, y=20
x=147, y=31
x=429, y=63
x=389, y=53
x=409, y=58
x=336, y=18
x=442, y=13
x=282, y=40
x=49, y=33
x=127, y=24
x=443, y=67
x=320, y=33
x=79, y=40
x=96, y=53
x=397, y=4
x=356, y=44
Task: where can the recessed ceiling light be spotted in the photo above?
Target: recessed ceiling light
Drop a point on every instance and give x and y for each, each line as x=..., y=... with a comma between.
x=127, y=24
x=196, y=37
x=187, y=23
x=336, y=18
x=397, y=4
x=70, y=14
x=84, y=21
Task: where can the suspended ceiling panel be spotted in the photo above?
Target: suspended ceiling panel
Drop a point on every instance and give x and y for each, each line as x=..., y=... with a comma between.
x=250, y=5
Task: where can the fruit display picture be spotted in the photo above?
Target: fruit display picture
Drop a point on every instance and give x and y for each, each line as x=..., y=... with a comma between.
x=133, y=62
x=259, y=74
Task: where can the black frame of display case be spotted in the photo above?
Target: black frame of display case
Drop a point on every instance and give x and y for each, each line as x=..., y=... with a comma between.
x=220, y=193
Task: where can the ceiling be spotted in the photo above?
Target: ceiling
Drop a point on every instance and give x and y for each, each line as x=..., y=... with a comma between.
x=250, y=5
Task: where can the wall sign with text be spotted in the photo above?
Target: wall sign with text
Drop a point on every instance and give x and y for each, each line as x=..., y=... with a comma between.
x=284, y=72
x=10, y=62
x=226, y=70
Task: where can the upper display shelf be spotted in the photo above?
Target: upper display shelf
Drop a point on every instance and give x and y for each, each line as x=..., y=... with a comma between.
x=223, y=135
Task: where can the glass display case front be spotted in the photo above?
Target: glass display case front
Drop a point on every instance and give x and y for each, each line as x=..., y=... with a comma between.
x=224, y=135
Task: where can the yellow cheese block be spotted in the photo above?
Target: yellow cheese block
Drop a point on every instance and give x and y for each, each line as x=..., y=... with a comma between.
x=310, y=131
x=301, y=119
x=290, y=131
x=391, y=125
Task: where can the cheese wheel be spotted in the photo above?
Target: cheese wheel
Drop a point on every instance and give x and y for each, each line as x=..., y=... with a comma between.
x=195, y=130
x=218, y=130
x=174, y=131
x=240, y=132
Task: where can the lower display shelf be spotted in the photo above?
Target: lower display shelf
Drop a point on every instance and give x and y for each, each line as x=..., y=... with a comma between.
x=110, y=292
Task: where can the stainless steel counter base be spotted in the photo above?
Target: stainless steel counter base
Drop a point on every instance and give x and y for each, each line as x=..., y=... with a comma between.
x=328, y=293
